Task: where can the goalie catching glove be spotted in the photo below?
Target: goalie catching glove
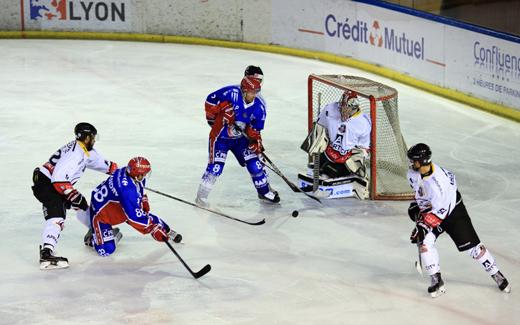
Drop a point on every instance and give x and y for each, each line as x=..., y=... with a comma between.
x=255, y=140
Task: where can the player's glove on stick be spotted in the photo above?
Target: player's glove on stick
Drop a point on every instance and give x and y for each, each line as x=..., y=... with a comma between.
x=255, y=140
x=112, y=167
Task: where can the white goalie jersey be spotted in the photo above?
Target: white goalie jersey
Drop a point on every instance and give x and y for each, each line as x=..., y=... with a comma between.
x=344, y=136
x=437, y=191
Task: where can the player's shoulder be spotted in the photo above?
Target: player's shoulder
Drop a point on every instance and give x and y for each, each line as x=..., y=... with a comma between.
x=412, y=175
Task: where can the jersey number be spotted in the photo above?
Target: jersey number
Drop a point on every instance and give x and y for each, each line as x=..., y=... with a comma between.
x=101, y=193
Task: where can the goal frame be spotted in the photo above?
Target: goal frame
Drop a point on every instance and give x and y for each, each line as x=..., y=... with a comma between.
x=373, y=133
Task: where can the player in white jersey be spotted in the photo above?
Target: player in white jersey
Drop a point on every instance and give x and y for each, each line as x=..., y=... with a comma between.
x=54, y=188
x=438, y=208
x=341, y=137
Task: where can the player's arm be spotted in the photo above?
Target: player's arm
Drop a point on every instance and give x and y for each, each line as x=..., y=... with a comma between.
x=217, y=105
x=253, y=130
x=96, y=162
x=139, y=217
x=63, y=185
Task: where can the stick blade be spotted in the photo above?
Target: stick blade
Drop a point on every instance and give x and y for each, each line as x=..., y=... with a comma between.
x=202, y=271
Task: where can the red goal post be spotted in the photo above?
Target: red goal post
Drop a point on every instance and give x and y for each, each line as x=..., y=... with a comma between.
x=388, y=161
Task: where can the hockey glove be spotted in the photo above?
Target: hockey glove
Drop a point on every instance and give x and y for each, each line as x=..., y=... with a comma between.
x=145, y=203
x=112, y=167
x=418, y=233
x=414, y=211
x=228, y=115
x=213, y=110
x=77, y=201
x=255, y=140
x=160, y=232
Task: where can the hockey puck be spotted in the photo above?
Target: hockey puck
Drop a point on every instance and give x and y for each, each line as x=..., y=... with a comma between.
x=295, y=213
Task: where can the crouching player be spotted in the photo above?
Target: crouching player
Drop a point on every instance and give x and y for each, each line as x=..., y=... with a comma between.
x=120, y=198
x=339, y=144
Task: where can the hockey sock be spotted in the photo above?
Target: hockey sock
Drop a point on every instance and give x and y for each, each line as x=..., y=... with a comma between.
x=484, y=257
x=84, y=217
x=51, y=232
x=430, y=255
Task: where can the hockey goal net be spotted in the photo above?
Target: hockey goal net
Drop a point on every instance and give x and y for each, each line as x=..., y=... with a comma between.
x=388, y=161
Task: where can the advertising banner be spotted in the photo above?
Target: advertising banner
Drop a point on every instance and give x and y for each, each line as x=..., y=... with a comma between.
x=78, y=15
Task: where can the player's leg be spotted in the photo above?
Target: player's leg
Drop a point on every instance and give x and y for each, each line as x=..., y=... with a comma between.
x=461, y=230
x=54, y=212
x=217, y=159
x=430, y=261
x=103, y=238
x=256, y=169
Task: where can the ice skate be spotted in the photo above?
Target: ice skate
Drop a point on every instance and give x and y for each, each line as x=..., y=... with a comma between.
x=49, y=262
x=437, y=287
x=202, y=202
x=502, y=282
x=271, y=197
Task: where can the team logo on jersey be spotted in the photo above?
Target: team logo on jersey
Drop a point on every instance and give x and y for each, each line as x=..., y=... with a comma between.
x=342, y=128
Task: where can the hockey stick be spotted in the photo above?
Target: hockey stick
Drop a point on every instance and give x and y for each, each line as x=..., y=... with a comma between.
x=207, y=209
x=418, y=264
x=196, y=275
x=277, y=171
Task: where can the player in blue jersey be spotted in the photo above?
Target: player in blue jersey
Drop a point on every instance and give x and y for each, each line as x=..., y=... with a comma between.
x=120, y=198
x=236, y=116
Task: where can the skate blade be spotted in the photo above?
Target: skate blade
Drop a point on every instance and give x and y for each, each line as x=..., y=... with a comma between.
x=507, y=289
x=53, y=266
x=438, y=293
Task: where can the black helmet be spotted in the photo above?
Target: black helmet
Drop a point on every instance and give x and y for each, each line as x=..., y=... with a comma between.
x=84, y=129
x=421, y=153
x=254, y=72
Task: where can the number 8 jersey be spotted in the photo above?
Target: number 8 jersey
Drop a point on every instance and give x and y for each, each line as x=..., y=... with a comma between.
x=119, y=199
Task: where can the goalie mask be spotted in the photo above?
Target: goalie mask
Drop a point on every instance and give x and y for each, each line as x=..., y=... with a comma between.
x=348, y=105
x=138, y=168
x=420, y=153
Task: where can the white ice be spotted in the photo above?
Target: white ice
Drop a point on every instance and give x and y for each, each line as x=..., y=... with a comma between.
x=346, y=262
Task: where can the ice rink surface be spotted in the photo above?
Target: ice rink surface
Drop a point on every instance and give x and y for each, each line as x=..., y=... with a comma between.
x=346, y=262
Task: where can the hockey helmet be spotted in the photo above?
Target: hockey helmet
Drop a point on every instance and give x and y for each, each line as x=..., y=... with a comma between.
x=250, y=84
x=138, y=166
x=255, y=72
x=84, y=129
x=421, y=153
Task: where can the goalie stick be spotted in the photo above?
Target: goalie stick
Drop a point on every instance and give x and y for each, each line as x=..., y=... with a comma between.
x=257, y=223
x=269, y=164
x=196, y=275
